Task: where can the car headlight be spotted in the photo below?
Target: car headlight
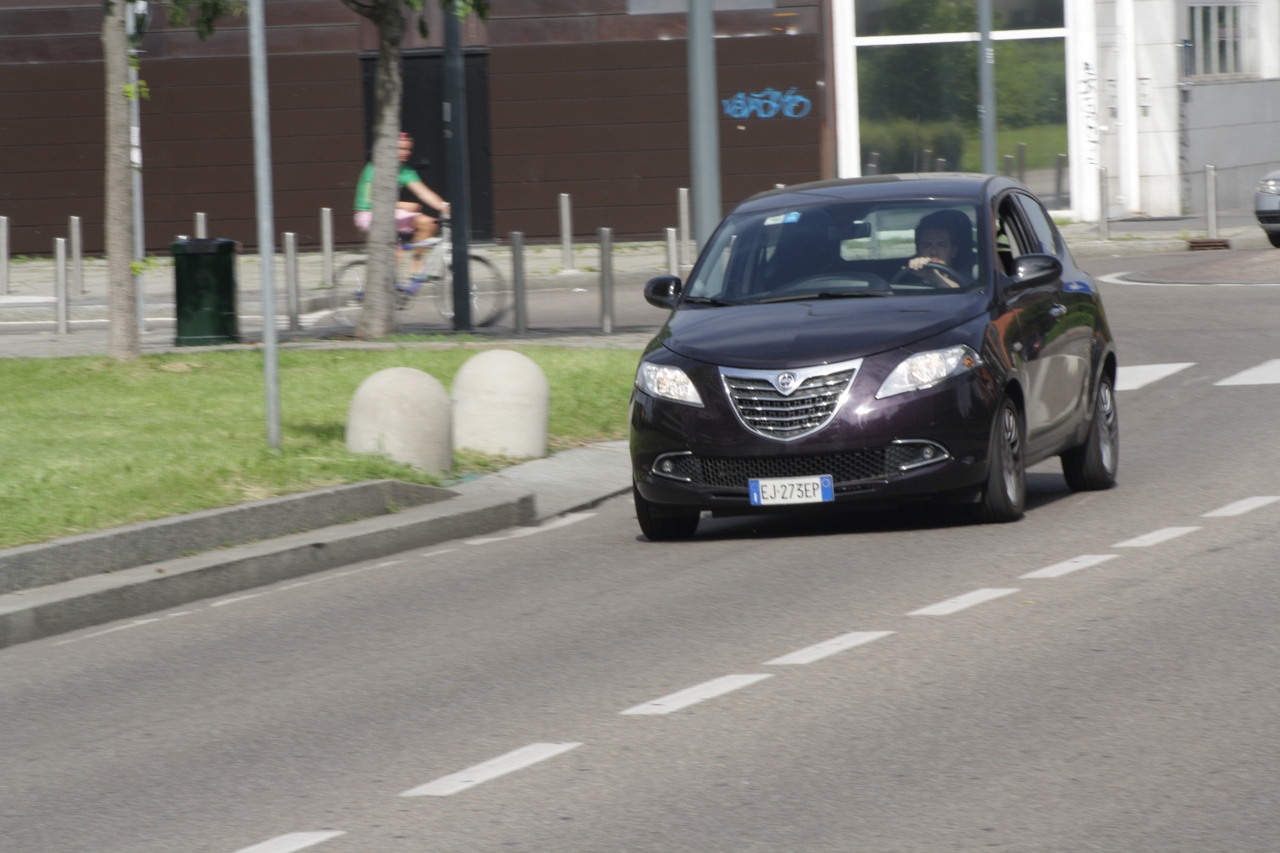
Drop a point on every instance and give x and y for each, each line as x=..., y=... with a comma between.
x=1270, y=185
x=669, y=383
x=926, y=369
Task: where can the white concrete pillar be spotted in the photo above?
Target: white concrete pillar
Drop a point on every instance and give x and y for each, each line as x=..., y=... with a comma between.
x=1084, y=108
x=501, y=401
x=405, y=414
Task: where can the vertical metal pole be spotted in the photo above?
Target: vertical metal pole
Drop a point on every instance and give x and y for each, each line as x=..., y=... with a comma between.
x=518, y=284
x=1008, y=165
x=459, y=173
x=326, y=246
x=986, y=87
x=606, y=280
x=202, y=227
x=1059, y=173
x=77, y=256
x=291, y=278
x=60, y=281
x=925, y=157
x=566, y=232
x=266, y=215
x=1104, y=227
x=704, y=120
x=1211, y=199
x=940, y=164
x=682, y=201
x=135, y=157
x=1022, y=162
x=4, y=255
x=673, y=256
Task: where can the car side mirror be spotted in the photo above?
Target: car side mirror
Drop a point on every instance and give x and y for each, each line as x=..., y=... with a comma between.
x=1033, y=270
x=663, y=291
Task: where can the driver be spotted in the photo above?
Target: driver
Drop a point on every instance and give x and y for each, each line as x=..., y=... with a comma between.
x=943, y=237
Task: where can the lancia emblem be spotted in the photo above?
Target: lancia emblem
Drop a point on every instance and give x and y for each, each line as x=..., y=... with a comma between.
x=786, y=382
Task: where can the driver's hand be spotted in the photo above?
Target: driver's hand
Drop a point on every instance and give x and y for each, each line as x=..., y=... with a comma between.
x=919, y=263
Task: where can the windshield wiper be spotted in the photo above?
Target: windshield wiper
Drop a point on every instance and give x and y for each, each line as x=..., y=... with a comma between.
x=709, y=300
x=825, y=294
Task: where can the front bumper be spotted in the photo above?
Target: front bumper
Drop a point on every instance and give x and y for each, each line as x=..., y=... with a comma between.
x=925, y=444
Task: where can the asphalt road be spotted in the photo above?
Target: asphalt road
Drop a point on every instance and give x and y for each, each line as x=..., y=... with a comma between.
x=1123, y=697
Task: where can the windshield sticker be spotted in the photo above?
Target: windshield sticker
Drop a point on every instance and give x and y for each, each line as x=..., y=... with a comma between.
x=779, y=218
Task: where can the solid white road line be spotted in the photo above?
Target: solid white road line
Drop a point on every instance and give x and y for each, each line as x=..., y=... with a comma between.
x=960, y=602
x=698, y=693
x=492, y=769
x=291, y=842
x=517, y=532
x=1155, y=537
x=828, y=648
x=1135, y=376
x=1066, y=567
x=1241, y=507
x=1267, y=373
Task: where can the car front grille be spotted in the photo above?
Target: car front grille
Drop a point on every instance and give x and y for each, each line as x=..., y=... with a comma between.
x=767, y=412
x=877, y=463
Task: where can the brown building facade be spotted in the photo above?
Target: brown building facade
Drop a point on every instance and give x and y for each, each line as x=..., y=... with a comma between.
x=583, y=97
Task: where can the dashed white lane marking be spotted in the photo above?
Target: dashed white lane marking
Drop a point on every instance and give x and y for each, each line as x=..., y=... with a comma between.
x=698, y=693
x=517, y=532
x=1155, y=537
x=828, y=648
x=515, y=760
x=1241, y=507
x=1267, y=373
x=1135, y=376
x=291, y=842
x=240, y=598
x=960, y=602
x=1066, y=567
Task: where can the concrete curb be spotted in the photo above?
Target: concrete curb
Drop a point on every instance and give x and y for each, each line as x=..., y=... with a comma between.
x=87, y=601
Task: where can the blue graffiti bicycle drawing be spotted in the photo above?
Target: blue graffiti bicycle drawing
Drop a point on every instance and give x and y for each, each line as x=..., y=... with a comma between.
x=767, y=104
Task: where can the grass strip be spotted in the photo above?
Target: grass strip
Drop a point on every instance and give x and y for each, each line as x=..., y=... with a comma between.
x=91, y=443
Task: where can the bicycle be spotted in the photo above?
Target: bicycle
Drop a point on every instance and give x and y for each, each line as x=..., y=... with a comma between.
x=488, y=287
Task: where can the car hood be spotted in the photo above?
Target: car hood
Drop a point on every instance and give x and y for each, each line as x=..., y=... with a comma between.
x=800, y=334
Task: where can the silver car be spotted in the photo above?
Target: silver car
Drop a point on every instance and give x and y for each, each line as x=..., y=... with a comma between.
x=1266, y=203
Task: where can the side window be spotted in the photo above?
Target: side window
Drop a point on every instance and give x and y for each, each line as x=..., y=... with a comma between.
x=1044, y=232
x=1011, y=239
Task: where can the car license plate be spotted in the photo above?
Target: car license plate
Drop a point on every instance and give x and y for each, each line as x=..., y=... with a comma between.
x=775, y=491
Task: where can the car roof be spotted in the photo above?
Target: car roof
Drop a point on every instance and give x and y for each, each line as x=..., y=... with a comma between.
x=895, y=187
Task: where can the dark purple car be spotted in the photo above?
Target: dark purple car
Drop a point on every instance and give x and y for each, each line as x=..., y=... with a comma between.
x=885, y=339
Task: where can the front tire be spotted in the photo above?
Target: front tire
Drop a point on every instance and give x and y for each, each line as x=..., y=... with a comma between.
x=1005, y=493
x=1274, y=237
x=661, y=524
x=1092, y=466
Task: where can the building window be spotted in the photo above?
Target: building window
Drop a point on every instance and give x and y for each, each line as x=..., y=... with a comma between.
x=1223, y=39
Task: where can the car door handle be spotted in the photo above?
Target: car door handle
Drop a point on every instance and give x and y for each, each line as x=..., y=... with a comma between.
x=1057, y=310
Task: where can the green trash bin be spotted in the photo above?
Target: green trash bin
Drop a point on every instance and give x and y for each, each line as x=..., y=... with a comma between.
x=204, y=279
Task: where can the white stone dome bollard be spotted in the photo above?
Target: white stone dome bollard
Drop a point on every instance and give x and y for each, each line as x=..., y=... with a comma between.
x=405, y=414
x=500, y=404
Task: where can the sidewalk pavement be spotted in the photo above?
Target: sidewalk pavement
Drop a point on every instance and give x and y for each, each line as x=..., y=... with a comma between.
x=88, y=580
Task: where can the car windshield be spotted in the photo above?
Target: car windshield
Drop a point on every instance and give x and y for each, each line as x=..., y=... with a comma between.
x=840, y=251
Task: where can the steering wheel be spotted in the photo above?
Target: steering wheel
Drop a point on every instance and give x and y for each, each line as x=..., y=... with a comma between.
x=906, y=274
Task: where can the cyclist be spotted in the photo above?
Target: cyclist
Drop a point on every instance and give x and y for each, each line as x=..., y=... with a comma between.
x=410, y=218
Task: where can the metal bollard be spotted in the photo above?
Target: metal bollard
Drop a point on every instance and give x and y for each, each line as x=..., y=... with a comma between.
x=682, y=203
x=940, y=164
x=606, y=280
x=1059, y=172
x=60, y=282
x=4, y=255
x=291, y=278
x=202, y=227
x=873, y=164
x=673, y=256
x=566, y=234
x=519, y=296
x=926, y=156
x=1022, y=162
x=1211, y=199
x=77, y=258
x=1008, y=165
x=326, y=251
x=1104, y=229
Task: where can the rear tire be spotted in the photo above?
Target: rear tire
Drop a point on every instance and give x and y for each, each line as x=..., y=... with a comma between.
x=1274, y=237
x=1093, y=465
x=1005, y=493
x=488, y=292
x=349, y=283
x=661, y=524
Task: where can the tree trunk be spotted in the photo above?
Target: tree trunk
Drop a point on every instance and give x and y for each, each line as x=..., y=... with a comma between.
x=378, y=317
x=122, y=302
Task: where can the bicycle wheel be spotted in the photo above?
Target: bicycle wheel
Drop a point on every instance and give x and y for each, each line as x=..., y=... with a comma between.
x=488, y=292
x=349, y=284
